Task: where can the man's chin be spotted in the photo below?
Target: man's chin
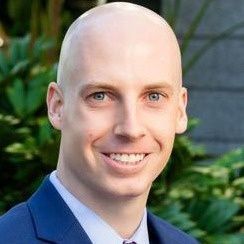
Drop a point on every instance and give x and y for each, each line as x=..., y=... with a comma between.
x=131, y=192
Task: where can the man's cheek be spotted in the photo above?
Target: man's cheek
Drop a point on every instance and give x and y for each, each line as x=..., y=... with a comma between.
x=98, y=125
x=162, y=126
x=90, y=137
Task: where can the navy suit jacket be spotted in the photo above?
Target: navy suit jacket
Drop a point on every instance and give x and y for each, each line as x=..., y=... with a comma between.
x=45, y=218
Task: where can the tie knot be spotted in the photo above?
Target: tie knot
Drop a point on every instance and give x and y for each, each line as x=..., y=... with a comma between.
x=129, y=242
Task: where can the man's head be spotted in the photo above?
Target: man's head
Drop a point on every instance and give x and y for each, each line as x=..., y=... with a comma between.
x=118, y=101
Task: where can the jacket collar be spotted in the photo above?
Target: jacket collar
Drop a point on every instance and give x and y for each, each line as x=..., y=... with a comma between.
x=52, y=218
x=156, y=233
x=54, y=221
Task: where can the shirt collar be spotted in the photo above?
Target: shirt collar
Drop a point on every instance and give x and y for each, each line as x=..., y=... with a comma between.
x=95, y=227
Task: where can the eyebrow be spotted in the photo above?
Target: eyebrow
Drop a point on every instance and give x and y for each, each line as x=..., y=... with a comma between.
x=159, y=85
x=107, y=86
x=96, y=85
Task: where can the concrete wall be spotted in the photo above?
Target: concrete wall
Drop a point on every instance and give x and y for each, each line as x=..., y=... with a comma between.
x=216, y=83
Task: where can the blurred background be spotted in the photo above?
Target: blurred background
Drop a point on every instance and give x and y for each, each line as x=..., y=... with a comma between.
x=201, y=190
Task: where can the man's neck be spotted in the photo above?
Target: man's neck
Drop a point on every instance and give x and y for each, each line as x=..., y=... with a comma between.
x=123, y=214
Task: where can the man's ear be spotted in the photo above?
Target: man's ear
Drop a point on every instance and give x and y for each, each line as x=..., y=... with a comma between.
x=55, y=103
x=182, y=119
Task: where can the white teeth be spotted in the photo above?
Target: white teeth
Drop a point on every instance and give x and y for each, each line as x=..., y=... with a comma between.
x=132, y=158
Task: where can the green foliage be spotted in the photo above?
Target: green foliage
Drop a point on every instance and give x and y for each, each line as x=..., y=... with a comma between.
x=26, y=135
x=205, y=199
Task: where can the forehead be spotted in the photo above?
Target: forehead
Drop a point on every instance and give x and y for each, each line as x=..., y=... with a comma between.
x=137, y=62
x=129, y=51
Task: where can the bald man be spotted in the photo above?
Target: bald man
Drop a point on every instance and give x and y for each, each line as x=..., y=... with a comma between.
x=118, y=103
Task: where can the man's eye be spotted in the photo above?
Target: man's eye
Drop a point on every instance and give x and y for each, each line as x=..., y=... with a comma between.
x=98, y=95
x=154, y=96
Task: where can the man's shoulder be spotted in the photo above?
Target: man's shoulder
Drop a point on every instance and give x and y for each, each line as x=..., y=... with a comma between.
x=15, y=216
x=16, y=225
x=167, y=232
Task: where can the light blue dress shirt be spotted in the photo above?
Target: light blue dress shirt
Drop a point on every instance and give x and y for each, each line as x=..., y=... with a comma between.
x=96, y=228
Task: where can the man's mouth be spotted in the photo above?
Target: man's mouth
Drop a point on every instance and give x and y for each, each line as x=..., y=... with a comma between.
x=126, y=158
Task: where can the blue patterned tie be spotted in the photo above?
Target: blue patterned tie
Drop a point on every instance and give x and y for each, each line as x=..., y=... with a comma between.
x=127, y=242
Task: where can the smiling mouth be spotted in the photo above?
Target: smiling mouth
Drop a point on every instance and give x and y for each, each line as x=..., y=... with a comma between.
x=126, y=158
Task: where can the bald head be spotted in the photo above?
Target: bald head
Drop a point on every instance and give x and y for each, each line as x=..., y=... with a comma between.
x=121, y=93
x=123, y=30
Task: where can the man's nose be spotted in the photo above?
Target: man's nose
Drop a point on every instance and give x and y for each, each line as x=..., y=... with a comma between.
x=129, y=124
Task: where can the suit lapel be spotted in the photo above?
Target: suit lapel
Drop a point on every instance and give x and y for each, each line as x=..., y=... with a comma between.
x=156, y=235
x=52, y=218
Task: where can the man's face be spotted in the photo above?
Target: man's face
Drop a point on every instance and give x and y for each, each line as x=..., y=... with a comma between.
x=120, y=116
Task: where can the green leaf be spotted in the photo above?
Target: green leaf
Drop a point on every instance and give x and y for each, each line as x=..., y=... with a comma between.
x=237, y=238
x=194, y=25
x=16, y=96
x=220, y=36
x=45, y=131
x=41, y=45
x=24, y=44
x=20, y=66
x=217, y=214
x=34, y=99
x=175, y=215
x=171, y=13
x=232, y=158
x=4, y=64
x=192, y=124
x=14, y=52
x=239, y=182
x=28, y=149
x=36, y=92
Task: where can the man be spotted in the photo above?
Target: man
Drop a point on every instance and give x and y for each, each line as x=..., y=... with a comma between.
x=118, y=103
